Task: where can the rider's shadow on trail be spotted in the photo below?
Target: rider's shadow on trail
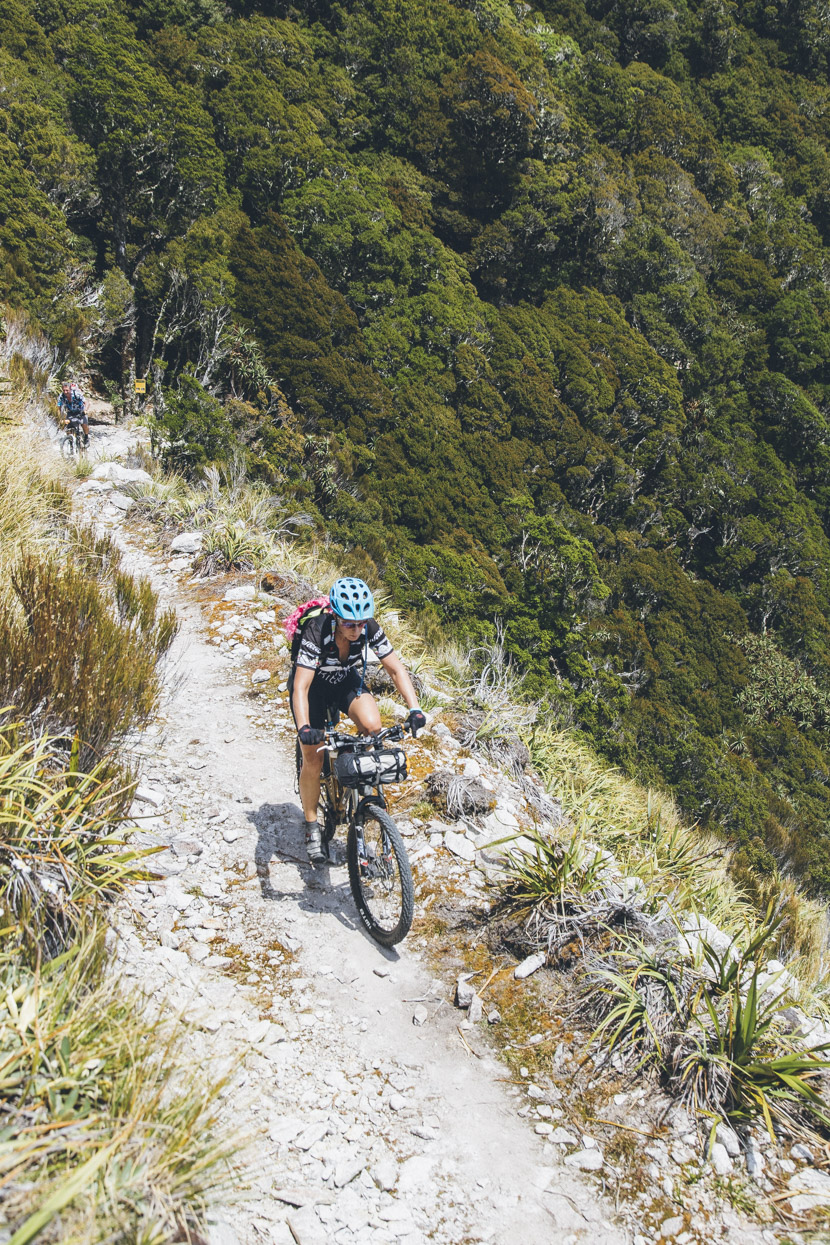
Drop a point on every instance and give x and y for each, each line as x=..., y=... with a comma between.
x=280, y=836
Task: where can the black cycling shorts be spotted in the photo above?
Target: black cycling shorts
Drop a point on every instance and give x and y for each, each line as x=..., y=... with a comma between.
x=327, y=702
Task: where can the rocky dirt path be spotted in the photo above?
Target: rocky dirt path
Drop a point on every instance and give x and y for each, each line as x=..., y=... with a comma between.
x=367, y=1126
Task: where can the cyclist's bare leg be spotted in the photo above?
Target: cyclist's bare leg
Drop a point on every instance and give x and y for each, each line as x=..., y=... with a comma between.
x=310, y=780
x=365, y=714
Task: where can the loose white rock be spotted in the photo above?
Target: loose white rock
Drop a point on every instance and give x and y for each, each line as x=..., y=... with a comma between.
x=245, y=592
x=187, y=542
x=464, y=992
x=260, y=676
x=720, y=1160
x=385, y=1174
x=585, y=1160
x=529, y=966
x=811, y=1189
x=121, y=501
x=149, y=795
x=460, y=845
x=728, y=1138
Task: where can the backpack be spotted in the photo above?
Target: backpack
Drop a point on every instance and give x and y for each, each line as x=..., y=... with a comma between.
x=295, y=622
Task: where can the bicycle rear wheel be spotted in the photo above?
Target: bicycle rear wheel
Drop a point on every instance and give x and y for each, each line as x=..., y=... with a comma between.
x=380, y=876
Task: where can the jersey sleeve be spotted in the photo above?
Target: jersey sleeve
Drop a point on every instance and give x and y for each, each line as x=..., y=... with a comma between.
x=310, y=652
x=378, y=639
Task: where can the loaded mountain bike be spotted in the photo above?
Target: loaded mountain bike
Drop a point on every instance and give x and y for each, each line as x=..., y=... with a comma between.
x=355, y=770
x=73, y=441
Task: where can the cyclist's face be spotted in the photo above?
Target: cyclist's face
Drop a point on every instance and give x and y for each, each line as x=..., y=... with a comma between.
x=353, y=628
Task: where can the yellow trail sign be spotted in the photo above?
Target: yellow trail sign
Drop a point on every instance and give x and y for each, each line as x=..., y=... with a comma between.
x=140, y=386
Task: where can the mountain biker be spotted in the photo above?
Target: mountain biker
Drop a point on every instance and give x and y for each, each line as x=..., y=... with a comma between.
x=72, y=406
x=328, y=674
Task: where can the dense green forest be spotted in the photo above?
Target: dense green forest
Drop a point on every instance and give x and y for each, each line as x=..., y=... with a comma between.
x=530, y=306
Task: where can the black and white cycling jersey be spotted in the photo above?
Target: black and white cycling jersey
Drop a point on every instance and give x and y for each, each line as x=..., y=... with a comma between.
x=318, y=650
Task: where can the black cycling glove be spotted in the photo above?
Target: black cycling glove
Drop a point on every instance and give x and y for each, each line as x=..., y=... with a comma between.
x=417, y=720
x=310, y=735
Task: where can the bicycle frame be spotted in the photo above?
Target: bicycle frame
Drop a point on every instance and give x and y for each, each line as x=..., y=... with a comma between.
x=350, y=802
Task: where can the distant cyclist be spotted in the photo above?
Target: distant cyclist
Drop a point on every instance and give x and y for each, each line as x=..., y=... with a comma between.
x=73, y=408
x=328, y=675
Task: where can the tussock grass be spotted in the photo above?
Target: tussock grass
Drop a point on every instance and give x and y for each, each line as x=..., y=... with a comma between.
x=102, y=1134
x=58, y=852
x=711, y=1032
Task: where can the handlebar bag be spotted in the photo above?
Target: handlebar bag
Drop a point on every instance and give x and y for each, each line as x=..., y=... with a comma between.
x=354, y=769
x=391, y=764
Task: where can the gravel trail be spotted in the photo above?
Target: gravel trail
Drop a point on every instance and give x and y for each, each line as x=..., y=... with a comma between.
x=368, y=1127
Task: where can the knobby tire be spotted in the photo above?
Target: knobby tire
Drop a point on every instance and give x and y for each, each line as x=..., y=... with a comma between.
x=370, y=894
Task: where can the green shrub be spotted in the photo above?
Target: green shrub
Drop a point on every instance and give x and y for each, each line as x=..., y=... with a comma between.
x=78, y=661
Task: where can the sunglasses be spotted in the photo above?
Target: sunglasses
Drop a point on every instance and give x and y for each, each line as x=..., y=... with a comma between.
x=361, y=625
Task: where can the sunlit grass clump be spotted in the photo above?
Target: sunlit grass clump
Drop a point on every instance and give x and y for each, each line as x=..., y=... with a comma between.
x=103, y=1135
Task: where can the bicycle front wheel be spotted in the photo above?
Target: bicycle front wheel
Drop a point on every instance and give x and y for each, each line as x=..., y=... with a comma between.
x=68, y=446
x=380, y=876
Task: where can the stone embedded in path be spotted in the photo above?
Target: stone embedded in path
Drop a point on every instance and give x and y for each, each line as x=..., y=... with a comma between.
x=671, y=1227
x=260, y=676
x=120, y=474
x=187, y=847
x=121, y=501
x=476, y=1010
x=415, y=1172
x=420, y=1015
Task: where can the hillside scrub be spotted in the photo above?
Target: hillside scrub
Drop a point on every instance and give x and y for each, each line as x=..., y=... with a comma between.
x=103, y=1133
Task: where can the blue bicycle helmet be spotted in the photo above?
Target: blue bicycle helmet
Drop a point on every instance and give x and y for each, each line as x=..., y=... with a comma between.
x=352, y=600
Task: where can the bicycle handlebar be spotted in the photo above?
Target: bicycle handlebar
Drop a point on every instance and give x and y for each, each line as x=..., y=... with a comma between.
x=338, y=739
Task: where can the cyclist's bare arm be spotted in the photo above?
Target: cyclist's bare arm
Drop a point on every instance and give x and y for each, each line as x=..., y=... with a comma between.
x=399, y=675
x=303, y=678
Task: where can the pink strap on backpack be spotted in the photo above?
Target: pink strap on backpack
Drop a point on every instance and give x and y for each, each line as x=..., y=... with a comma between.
x=291, y=622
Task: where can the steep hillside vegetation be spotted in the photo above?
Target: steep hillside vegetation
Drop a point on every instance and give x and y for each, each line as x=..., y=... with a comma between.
x=529, y=307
